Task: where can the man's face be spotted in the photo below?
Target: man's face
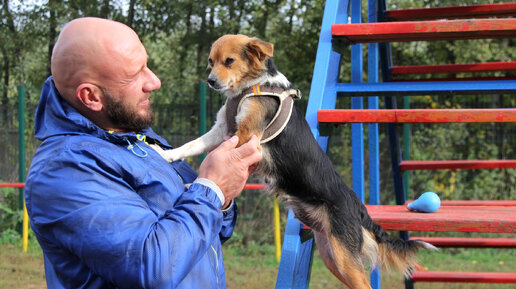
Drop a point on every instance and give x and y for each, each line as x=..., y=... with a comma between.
x=127, y=98
x=126, y=116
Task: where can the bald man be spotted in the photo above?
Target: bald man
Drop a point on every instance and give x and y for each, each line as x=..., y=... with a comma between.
x=106, y=208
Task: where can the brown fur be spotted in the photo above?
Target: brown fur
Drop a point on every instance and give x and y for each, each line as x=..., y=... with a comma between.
x=252, y=123
x=241, y=69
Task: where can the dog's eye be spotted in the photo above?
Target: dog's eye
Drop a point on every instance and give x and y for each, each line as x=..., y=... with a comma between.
x=229, y=61
x=210, y=62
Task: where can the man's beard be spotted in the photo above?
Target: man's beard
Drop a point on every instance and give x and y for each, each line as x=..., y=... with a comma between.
x=126, y=118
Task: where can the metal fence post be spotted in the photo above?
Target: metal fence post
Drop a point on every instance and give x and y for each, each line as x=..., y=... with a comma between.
x=21, y=141
x=202, y=111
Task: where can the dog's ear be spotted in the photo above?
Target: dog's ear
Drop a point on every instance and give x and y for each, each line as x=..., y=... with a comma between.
x=260, y=49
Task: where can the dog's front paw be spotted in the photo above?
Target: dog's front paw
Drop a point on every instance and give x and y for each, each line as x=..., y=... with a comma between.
x=172, y=155
x=169, y=155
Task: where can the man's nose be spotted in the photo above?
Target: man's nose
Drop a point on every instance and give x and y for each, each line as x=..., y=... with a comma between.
x=152, y=82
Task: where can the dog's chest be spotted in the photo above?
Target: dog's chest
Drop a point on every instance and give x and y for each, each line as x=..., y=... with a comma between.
x=232, y=108
x=275, y=108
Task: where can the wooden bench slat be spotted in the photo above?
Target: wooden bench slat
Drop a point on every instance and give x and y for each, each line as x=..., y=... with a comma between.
x=485, y=219
x=464, y=277
x=453, y=12
x=451, y=242
x=415, y=115
x=456, y=164
x=479, y=203
x=425, y=30
x=453, y=68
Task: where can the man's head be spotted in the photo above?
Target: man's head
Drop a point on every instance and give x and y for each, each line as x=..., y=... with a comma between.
x=99, y=66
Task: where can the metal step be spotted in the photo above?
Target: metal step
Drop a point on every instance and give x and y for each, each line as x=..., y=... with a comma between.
x=423, y=88
x=425, y=30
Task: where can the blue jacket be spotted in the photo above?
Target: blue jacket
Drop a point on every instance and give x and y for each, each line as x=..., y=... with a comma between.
x=107, y=216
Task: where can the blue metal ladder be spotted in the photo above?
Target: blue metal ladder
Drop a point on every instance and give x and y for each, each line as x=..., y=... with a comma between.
x=296, y=258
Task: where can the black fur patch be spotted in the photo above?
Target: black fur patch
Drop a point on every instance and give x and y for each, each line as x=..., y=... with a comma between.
x=271, y=68
x=302, y=170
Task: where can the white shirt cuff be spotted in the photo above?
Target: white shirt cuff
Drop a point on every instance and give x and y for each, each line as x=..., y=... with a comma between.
x=210, y=184
x=229, y=207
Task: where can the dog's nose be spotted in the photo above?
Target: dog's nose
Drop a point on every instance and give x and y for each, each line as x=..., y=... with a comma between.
x=211, y=81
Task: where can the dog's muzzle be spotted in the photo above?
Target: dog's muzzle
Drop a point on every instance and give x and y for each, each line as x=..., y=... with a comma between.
x=213, y=83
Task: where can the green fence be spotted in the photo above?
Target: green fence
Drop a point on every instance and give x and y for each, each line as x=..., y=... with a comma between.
x=178, y=118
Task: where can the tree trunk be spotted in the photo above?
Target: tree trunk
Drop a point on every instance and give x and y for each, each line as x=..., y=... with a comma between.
x=5, y=88
x=130, y=14
x=52, y=33
x=104, y=11
x=201, y=43
x=186, y=43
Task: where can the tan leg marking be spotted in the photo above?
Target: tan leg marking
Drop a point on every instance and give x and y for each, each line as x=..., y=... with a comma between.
x=349, y=266
x=250, y=121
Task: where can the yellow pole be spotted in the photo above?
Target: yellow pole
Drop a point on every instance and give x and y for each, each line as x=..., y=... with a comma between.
x=277, y=233
x=25, y=234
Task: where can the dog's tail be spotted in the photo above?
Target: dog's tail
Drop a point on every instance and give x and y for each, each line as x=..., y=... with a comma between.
x=380, y=249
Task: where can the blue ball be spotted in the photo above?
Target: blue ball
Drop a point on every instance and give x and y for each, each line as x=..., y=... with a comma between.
x=428, y=202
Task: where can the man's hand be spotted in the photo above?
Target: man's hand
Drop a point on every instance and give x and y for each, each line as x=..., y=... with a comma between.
x=229, y=167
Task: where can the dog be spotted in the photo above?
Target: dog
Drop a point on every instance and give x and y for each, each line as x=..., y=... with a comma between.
x=259, y=102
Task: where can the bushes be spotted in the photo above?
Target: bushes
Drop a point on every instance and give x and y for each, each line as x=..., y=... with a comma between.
x=10, y=216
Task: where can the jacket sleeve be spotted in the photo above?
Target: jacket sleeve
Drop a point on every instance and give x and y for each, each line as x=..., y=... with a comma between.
x=84, y=204
x=228, y=222
x=229, y=216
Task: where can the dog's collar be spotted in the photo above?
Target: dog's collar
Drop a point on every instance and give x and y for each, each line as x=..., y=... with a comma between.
x=280, y=119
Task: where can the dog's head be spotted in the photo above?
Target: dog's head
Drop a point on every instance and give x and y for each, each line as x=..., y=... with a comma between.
x=237, y=62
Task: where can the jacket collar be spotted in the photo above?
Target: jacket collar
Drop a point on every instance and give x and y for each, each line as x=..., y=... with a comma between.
x=54, y=117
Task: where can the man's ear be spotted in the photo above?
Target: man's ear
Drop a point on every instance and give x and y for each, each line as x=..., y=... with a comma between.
x=260, y=49
x=90, y=96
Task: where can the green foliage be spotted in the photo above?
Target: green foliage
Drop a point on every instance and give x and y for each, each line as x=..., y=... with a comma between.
x=463, y=141
x=255, y=224
x=10, y=216
x=178, y=35
x=10, y=236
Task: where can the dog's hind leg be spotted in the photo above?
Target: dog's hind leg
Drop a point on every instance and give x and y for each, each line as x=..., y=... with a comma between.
x=337, y=258
x=348, y=265
x=323, y=246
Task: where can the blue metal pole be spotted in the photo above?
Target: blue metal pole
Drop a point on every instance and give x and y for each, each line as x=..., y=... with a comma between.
x=406, y=147
x=357, y=130
x=374, y=150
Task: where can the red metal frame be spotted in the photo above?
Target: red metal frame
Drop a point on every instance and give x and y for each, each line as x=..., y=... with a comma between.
x=454, y=68
x=479, y=203
x=454, y=12
x=425, y=30
x=12, y=185
x=450, y=242
x=464, y=277
x=483, y=219
x=457, y=164
x=415, y=115
x=455, y=79
x=254, y=187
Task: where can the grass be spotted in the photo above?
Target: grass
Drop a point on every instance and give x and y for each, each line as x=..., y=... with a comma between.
x=255, y=266
x=20, y=269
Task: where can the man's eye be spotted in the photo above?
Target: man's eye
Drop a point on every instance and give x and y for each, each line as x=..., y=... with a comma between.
x=229, y=61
